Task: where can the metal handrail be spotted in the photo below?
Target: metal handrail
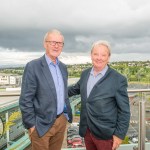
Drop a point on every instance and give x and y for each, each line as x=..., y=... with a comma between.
x=17, y=93
x=9, y=94
x=138, y=90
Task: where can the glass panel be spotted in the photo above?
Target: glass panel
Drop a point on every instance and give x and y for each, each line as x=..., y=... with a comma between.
x=1, y=128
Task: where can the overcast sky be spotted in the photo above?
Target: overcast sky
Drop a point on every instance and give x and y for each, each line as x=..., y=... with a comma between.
x=124, y=23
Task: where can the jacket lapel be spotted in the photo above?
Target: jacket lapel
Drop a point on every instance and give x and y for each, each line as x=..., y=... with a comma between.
x=85, y=82
x=48, y=76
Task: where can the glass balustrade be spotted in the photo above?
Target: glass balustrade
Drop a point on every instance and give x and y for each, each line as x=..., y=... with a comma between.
x=13, y=134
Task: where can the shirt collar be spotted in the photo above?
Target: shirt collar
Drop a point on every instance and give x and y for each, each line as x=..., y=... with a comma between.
x=101, y=72
x=49, y=61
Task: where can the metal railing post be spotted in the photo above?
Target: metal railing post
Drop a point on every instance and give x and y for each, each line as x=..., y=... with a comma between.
x=7, y=131
x=142, y=131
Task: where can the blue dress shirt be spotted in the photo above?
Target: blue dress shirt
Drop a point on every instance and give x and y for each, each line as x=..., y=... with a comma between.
x=59, y=83
x=94, y=79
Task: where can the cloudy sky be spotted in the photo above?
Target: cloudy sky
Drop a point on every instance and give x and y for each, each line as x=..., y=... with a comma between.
x=124, y=23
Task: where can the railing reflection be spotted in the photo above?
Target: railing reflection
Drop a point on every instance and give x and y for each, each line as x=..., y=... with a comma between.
x=12, y=131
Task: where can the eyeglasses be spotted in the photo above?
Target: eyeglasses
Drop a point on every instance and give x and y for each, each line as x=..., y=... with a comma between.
x=53, y=43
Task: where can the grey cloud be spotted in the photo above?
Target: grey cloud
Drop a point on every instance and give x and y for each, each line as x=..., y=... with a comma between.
x=26, y=40
x=123, y=24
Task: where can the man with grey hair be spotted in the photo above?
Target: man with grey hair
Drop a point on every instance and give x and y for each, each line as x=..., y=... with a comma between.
x=44, y=95
x=105, y=110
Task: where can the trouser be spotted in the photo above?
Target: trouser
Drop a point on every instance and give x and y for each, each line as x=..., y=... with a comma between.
x=53, y=139
x=93, y=143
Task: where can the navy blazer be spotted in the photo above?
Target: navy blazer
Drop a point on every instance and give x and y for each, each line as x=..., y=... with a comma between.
x=38, y=100
x=106, y=112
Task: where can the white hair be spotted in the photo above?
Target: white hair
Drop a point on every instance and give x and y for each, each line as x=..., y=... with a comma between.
x=101, y=42
x=51, y=32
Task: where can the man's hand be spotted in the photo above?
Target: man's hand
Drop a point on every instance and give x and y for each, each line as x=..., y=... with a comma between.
x=30, y=131
x=116, y=142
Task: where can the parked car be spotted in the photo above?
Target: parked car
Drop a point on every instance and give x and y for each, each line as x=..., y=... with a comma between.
x=76, y=124
x=77, y=144
x=76, y=139
x=72, y=128
x=135, y=140
x=73, y=136
x=72, y=133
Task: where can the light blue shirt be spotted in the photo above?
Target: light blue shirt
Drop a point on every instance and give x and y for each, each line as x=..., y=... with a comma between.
x=94, y=79
x=59, y=83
